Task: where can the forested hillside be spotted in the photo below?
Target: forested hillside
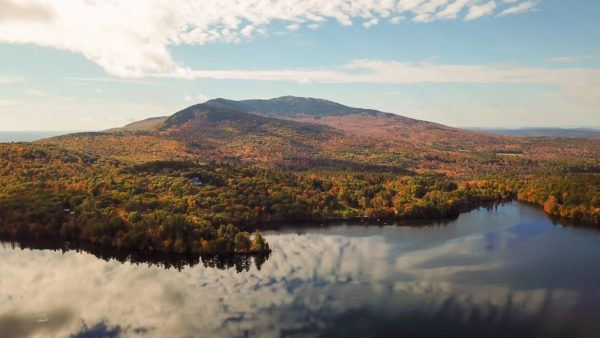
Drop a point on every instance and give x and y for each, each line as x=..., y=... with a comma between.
x=198, y=180
x=177, y=206
x=319, y=134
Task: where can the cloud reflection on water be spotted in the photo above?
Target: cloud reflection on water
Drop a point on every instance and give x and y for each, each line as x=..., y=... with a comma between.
x=490, y=266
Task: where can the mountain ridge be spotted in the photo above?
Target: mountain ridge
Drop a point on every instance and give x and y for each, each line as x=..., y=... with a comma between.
x=316, y=133
x=290, y=106
x=356, y=121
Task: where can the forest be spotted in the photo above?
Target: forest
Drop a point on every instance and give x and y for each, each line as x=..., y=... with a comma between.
x=182, y=206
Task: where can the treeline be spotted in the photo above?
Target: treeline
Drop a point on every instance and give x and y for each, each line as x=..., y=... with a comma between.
x=573, y=196
x=48, y=192
x=40, y=212
x=186, y=207
x=174, y=206
x=164, y=260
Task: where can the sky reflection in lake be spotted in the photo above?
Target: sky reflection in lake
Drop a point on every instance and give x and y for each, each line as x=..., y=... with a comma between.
x=506, y=271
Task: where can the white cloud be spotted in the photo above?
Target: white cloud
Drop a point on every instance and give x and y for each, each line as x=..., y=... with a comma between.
x=247, y=31
x=580, y=82
x=396, y=20
x=452, y=10
x=202, y=97
x=7, y=102
x=425, y=10
x=35, y=92
x=370, y=23
x=293, y=27
x=11, y=11
x=104, y=79
x=6, y=79
x=132, y=38
x=523, y=7
x=571, y=59
x=478, y=11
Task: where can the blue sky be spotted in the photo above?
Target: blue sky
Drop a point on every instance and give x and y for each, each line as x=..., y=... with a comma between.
x=92, y=65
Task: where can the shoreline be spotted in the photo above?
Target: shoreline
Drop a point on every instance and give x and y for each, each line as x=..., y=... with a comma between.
x=135, y=255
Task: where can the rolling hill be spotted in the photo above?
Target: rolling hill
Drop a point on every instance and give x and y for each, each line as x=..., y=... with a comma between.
x=150, y=124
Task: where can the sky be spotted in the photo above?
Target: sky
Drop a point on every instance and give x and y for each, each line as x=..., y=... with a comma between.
x=93, y=65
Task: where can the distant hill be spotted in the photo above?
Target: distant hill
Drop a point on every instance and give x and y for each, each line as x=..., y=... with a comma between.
x=543, y=132
x=149, y=124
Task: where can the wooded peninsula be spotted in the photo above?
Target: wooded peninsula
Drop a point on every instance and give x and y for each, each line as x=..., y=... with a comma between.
x=185, y=207
x=200, y=180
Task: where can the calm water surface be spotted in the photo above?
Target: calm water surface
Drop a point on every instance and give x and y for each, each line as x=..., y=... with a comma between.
x=505, y=271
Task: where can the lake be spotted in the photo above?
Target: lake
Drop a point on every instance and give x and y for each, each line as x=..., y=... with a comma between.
x=503, y=271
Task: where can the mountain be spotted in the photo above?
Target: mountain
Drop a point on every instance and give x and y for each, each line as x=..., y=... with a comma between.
x=229, y=134
x=205, y=132
x=213, y=117
x=543, y=132
x=306, y=133
x=364, y=122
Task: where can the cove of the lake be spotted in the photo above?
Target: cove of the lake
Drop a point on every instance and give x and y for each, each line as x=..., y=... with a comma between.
x=505, y=271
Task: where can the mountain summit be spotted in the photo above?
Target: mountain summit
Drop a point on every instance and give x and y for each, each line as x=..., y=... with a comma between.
x=291, y=106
